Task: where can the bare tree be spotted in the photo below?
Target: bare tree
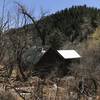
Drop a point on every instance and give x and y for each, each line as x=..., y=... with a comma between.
x=17, y=44
x=41, y=32
x=2, y=26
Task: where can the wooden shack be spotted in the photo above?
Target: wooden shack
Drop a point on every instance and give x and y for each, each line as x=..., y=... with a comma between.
x=55, y=62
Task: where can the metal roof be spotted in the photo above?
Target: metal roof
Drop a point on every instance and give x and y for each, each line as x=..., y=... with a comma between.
x=69, y=54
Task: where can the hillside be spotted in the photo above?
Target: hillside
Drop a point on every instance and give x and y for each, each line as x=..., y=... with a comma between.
x=73, y=25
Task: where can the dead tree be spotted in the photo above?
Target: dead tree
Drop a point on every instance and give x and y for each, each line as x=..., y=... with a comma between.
x=18, y=46
x=3, y=39
x=3, y=24
x=40, y=32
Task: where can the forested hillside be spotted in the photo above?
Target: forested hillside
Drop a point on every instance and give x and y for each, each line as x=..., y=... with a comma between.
x=73, y=25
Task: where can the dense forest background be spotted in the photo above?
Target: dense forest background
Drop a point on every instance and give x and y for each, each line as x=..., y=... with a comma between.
x=73, y=25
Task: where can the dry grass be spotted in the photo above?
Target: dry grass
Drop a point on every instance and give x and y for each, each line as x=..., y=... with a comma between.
x=4, y=95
